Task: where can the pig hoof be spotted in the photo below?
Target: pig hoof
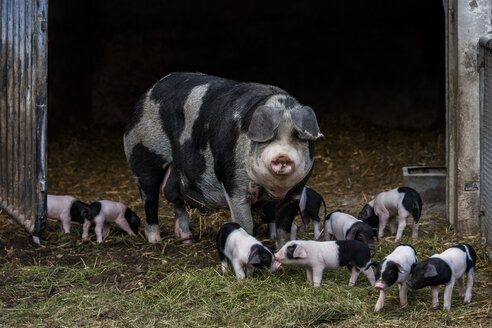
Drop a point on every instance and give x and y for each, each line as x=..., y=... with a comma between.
x=152, y=233
x=184, y=237
x=35, y=239
x=377, y=309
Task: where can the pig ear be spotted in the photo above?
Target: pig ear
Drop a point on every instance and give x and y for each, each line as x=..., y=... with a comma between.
x=305, y=122
x=367, y=212
x=352, y=233
x=413, y=266
x=263, y=123
x=254, y=257
x=299, y=252
x=400, y=268
x=430, y=271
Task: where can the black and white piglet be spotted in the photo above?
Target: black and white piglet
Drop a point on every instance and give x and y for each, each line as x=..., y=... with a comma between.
x=444, y=269
x=394, y=269
x=104, y=212
x=401, y=202
x=244, y=251
x=317, y=255
x=309, y=206
x=345, y=227
x=65, y=209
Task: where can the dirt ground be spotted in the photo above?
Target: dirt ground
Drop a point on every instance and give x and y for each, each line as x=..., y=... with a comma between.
x=353, y=163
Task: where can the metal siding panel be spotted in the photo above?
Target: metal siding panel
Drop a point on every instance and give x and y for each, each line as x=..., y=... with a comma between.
x=23, y=109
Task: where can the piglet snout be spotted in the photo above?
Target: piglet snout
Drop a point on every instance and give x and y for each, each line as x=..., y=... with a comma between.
x=275, y=266
x=379, y=285
x=282, y=165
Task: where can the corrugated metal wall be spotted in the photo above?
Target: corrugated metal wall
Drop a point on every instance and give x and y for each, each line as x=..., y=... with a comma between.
x=485, y=64
x=23, y=107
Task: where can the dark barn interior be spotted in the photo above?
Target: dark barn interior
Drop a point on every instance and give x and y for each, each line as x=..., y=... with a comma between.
x=381, y=61
x=373, y=71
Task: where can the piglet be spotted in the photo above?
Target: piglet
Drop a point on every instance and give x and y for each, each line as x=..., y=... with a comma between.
x=401, y=202
x=345, y=227
x=394, y=268
x=65, y=209
x=104, y=212
x=316, y=256
x=309, y=206
x=244, y=251
x=444, y=269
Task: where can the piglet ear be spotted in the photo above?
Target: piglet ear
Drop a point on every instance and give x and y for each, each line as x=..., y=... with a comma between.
x=351, y=234
x=367, y=212
x=305, y=122
x=413, y=266
x=400, y=268
x=430, y=271
x=299, y=252
x=263, y=123
x=254, y=257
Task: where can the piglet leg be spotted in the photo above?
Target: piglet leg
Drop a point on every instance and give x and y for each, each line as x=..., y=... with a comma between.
x=435, y=296
x=448, y=291
x=370, y=275
x=461, y=285
x=273, y=230
x=380, y=303
x=181, y=226
x=402, y=222
x=354, y=275
x=469, y=286
x=309, y=274
x=317, y=231
x=85, y=230
x=383, y=220
x=403, y=293
x=293, y=231
x=317, y=275
x=415, y=230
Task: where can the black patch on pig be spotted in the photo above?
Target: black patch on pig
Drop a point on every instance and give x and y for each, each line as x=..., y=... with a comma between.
x=369, y=216
x=222, y=236
x=78, y=211
x=390, y=274
x=353, y=253
x=470, y=260
x=94, y=210
x=418, y=280
x=313, y=204
x=412, y=202
x=136, y=115
x=132, y=219
x=289, y=252
x=364, y=233
x=260, y=256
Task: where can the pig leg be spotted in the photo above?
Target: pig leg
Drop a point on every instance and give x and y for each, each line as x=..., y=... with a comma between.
x=309, y=274
x=380, y=303
x=403, y=293
x=383, y=220
x=461, y=285
x=284, y=223
x=293, y=231
x=181, y=226
x=105, y=230
x=224, y=265
x=370, y=275
x=469, y=285
x=85, y=229
x=317, y=275
x=435, y=296
x=402, y=222
x=65, y=224
x=392, y=225
x=240, y=212
x=448, y=291
x=238, y=269
x=354, y=275
x=99, y=232
x=123, y=224
x=273, y=230
x=415, y=230
x=317, y=231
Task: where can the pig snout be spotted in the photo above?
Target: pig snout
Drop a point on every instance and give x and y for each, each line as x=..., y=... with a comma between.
x=282, y=165
x=276, y=265
x=379, y=285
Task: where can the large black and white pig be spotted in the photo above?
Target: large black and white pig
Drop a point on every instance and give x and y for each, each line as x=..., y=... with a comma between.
x=444, y=269
x=105, y=212
x=394, y=269
x=65, y=209
x=317, y=255
x=209, y=141
x=345, y=227
x=399, y=202
x=244, y=251
x=308, y=210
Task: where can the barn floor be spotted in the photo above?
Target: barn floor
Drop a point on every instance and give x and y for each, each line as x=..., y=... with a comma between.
x=48, y=285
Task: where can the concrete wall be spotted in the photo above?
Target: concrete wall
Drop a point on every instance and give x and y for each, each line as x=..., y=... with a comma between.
x=466, y=22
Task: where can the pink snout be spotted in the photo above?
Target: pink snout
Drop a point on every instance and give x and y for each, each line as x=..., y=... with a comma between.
x=282, y=165
x=379, y=285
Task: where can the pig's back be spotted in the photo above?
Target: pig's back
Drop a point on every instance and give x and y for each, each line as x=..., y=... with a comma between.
x=58, y=205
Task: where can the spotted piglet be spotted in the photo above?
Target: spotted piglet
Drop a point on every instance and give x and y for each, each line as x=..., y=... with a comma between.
x=401, y=202
x=316, y=256
x=104, y=212
x=394, y=269
x=65, y=209
x=244, y=251
x=444, y=269
x=345, y=226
